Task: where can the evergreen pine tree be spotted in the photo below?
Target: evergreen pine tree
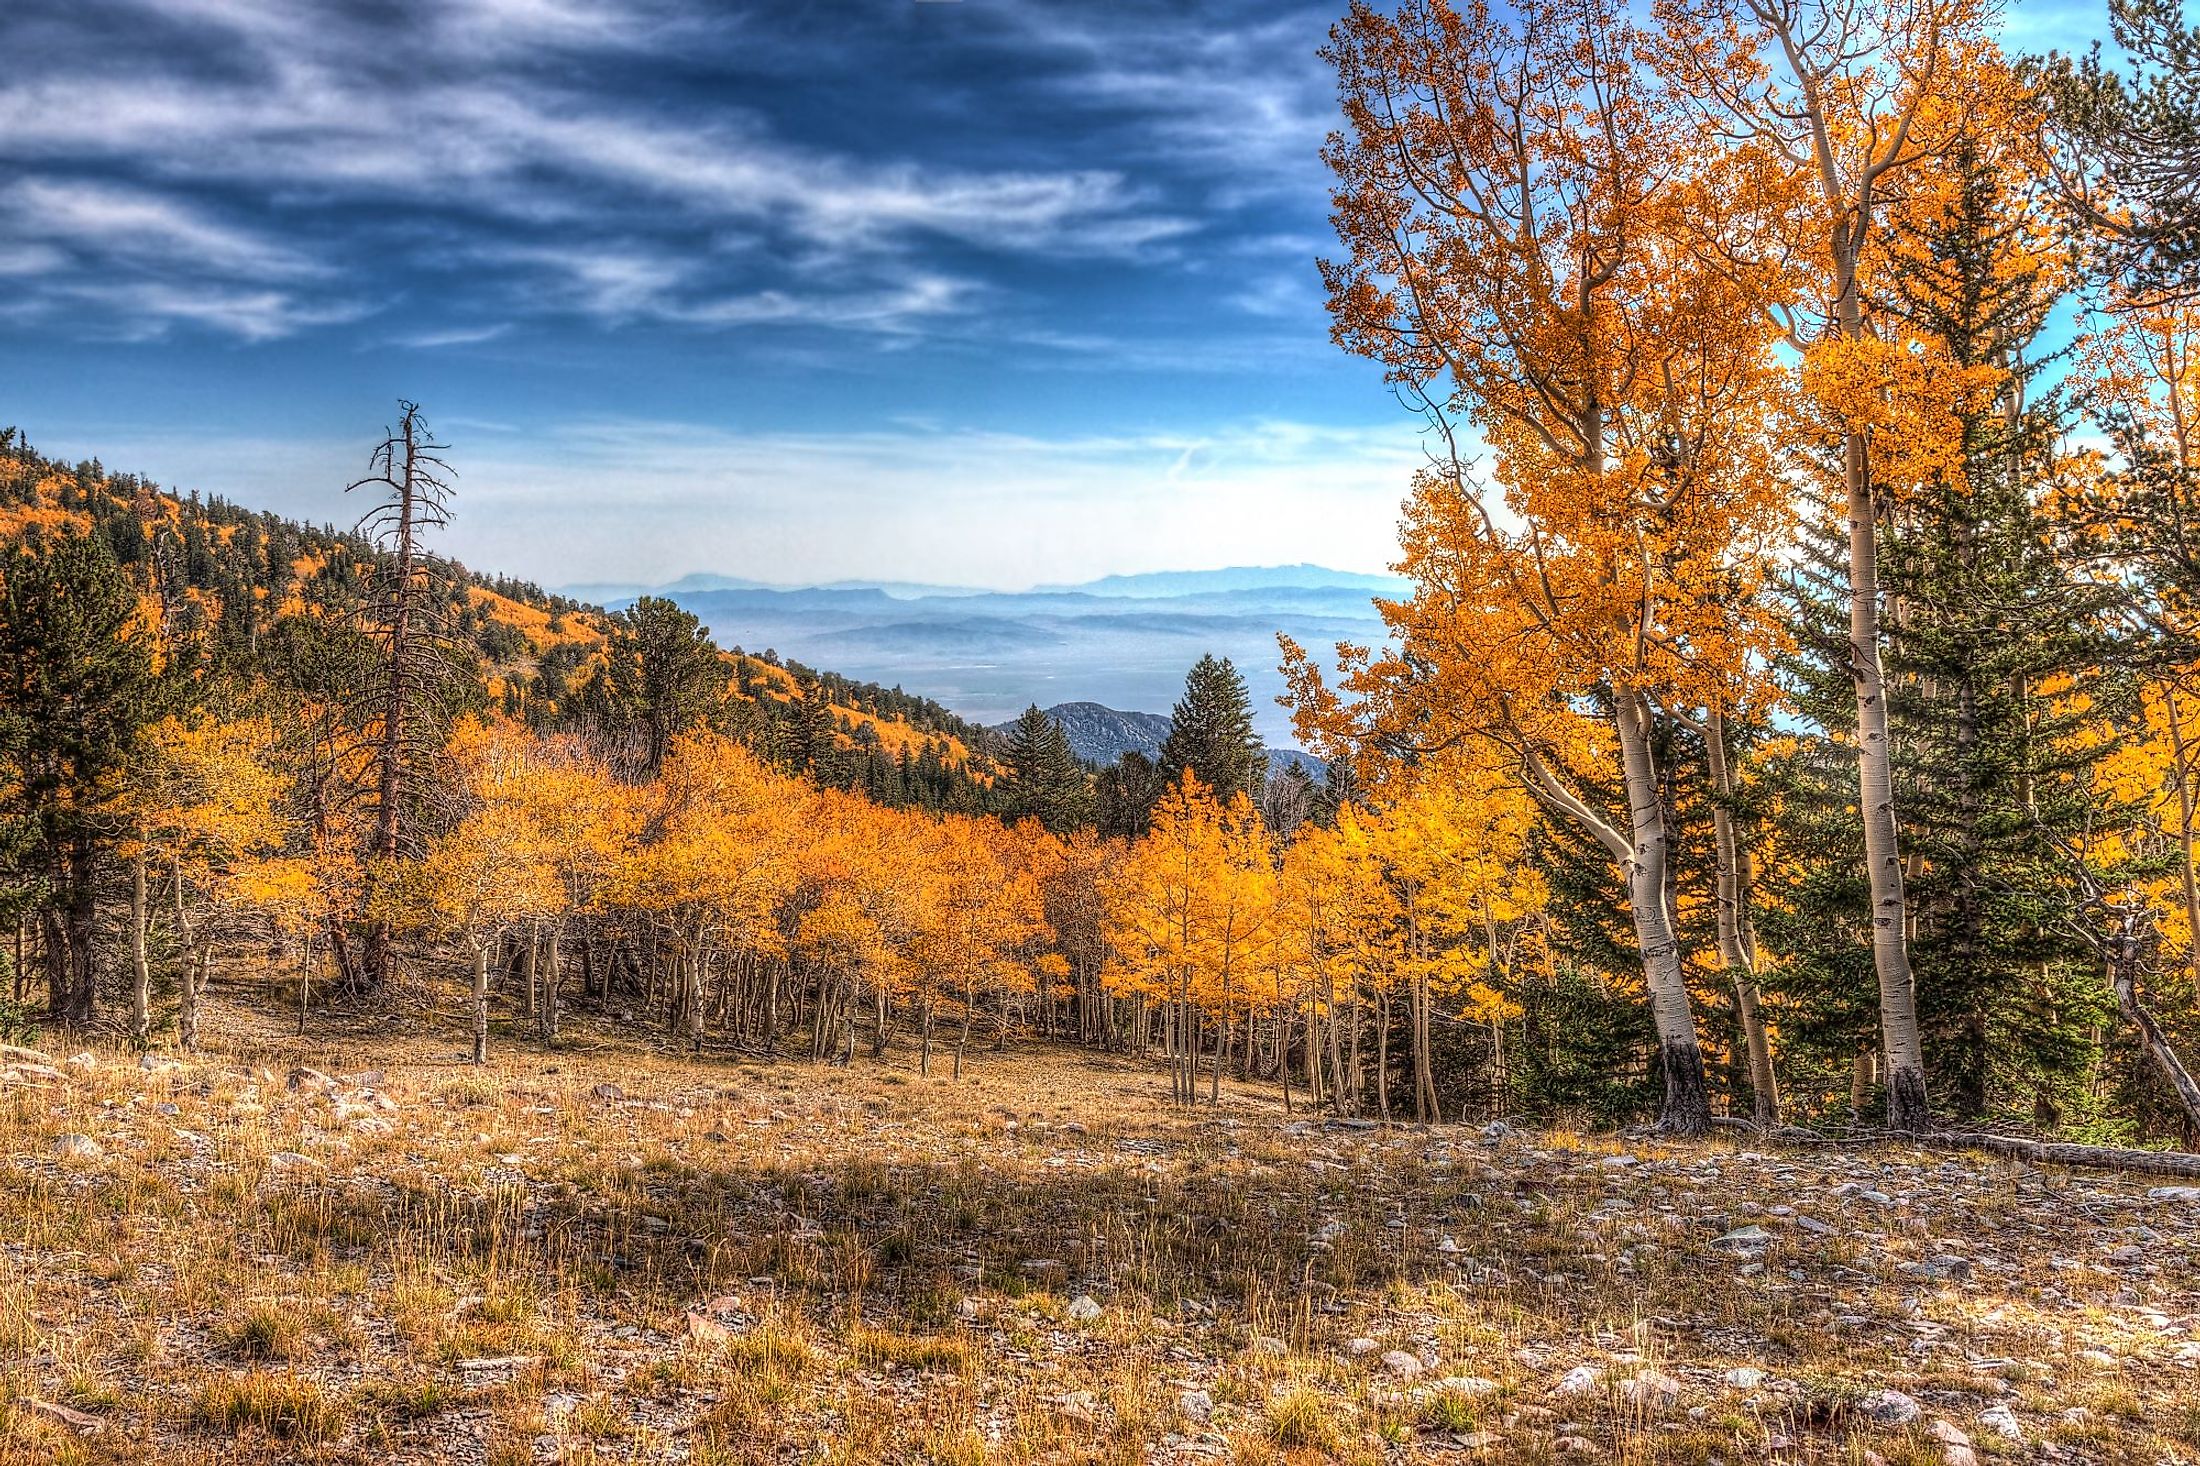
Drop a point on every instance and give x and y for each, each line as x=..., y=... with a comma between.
x=1044, y=780
x=1211, y=733
x=77, y=688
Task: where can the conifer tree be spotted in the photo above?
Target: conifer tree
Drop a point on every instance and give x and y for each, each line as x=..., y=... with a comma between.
x=663, y=677
x=77, y=689
x=1991, y=643
x=1045, y=782
x=1211, y=734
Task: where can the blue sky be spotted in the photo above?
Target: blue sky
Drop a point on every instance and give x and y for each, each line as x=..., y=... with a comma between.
x=988, y=292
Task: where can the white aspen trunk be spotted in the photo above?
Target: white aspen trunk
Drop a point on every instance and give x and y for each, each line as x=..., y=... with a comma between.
x=141, y=968
x=1908, y=1108
x=1686, y=1109
x=481, y=1003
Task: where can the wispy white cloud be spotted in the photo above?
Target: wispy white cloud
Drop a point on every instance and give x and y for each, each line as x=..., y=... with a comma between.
x=130, y=224
x=458, y=115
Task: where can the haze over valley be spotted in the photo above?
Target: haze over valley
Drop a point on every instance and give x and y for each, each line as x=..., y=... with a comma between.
x=1123, y=642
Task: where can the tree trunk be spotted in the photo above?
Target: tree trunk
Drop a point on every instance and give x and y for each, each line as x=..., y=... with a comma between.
x=1737, y=938
x=550, y=994
x=481, y=1003
x=2125, y=959
x=141, y=968
x=1687, y=1105
x=1382, y=1053
x=1908, y=1109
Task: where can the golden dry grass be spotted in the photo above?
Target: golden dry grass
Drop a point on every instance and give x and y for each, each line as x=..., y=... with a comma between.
x=730, y=1261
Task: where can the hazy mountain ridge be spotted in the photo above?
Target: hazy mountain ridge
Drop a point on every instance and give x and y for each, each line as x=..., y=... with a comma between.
x=1102, y=735
x=1120, y=642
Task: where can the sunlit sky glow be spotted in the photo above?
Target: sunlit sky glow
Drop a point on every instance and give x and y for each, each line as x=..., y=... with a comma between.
x=984, y=292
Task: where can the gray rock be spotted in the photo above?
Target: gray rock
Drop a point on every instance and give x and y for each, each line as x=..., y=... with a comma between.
x=1084, y=1308
x=1955, y=1446
x=1750, y=1239
x=1890, y=1407
x=1401, y=1365
x=2173, y=1193
x=1580, y=1380
x=1651, y=1390
x=2002, y=1421
x=1196, y=1405
x=1745, y=1378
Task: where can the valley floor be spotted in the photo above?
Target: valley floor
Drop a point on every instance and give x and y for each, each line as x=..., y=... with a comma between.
x=609, y=1254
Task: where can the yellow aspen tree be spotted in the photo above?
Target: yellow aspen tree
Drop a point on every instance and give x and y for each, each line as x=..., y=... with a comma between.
x=1517, y=196
x=1835, y=103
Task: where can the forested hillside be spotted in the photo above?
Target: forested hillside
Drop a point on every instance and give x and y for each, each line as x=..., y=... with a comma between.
x=227, y=582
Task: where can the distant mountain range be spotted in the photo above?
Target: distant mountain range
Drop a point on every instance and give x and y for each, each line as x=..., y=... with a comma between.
x=1125, y=641
x=1101, y=735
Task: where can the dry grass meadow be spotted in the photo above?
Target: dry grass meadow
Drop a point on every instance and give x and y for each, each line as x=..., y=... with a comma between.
x=609, y=1254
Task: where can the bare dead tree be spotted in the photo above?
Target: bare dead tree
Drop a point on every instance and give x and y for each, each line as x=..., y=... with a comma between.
x=403, y=613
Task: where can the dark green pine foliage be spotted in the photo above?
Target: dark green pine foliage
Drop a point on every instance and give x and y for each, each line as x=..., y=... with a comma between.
x=662, y=677
x=2129, y=146
x=1987, y=636
x=1044, y=781
x=1986, y=627
x=1211, y=733
x=1813, y=900
x=77, y=689
x=1124, y=795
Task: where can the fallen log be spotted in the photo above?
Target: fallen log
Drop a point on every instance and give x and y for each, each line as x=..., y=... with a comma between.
x=2015, y=1147
x=2058, y=1153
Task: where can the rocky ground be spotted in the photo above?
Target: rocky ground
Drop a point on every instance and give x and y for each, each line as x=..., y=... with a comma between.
x=357, y=1248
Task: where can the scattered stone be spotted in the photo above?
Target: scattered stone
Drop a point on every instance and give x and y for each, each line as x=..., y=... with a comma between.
x=1651, y=1390
x=1580, y=1380
x=1401, y=1365
x=1813, y=1226
x=503, y=1363
x=1946, y=1266
x=1890, y=1407
x=2002, y=1421
x=1955, y=1446
x=77, y=1148
x=1084, y=1308
x=1744, y=1240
